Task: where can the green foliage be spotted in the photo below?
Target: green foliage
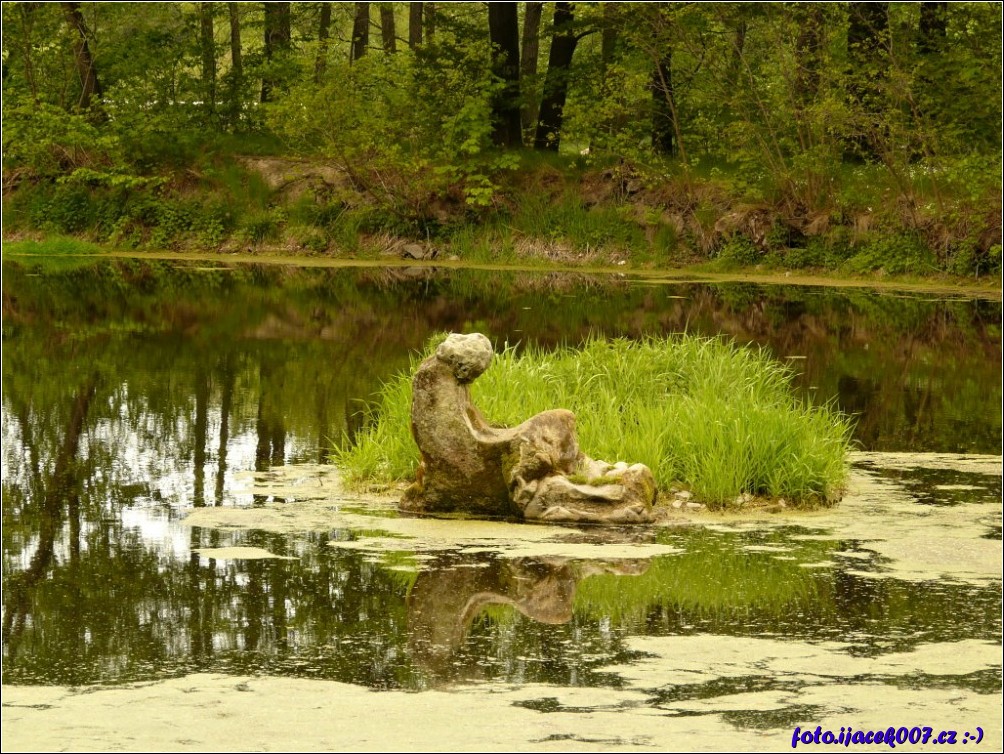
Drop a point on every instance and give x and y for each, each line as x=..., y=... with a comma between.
x=263, y=226
x=892, y=254
x=717, y=419
x=827, y=253
x=568, y=219
x=52, y=246
x=46, y=142
x=738, y=251
x=787, y=108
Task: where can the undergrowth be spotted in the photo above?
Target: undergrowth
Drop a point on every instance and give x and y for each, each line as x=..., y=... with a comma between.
x=703, y=414
x=559, y=211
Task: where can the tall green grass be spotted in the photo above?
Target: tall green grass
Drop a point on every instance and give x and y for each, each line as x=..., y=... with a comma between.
x=54, y=253
x=52, y=246
x=703, y=414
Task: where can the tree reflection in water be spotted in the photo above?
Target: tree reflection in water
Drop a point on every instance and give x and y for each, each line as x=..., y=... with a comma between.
x=135, y=390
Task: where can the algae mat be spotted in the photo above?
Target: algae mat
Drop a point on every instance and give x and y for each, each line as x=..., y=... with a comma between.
x=235, y=713
x=701, y=687
x=896, y=536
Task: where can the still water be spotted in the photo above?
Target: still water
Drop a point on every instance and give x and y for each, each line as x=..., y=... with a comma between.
x=168, y=506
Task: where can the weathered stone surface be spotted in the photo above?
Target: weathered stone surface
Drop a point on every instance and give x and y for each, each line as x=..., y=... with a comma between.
x=417, y=251
x=469, y=466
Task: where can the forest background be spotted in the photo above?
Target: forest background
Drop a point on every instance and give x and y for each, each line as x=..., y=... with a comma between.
x=856, y=137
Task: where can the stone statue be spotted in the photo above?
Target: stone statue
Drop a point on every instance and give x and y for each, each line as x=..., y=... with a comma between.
x=471, y=467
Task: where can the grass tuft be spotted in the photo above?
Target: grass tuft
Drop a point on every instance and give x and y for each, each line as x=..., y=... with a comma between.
x=704, y=414
x=52, y=246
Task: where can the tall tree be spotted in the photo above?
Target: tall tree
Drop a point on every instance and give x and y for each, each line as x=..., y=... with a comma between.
x=739, y=29
x=610, y=32
x=429, y=10
x=27, y=12
x=236, y=64
x=657, y=36
x=559, y=61
x=278, y=41
x=414, y=25
x=503, y=33
x=664, y=125
x=608, y=37
x=388, y=33
x=529, y=53
x=933, y=27
x=360, y=32
x=808, y=50
x=207, y=45
x=87, y=72
x=867, y=51
x=323, y=32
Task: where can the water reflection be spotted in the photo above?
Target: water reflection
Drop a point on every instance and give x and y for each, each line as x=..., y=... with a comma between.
x=123, y=611
x=454, y=591
x=135, y=391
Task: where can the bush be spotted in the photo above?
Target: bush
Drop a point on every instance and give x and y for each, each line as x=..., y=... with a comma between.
x=738, y=251
x=701, y=413
x=264, y=226
x=895, y=254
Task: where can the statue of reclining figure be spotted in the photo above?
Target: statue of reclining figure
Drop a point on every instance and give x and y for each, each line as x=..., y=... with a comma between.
x=471, y=467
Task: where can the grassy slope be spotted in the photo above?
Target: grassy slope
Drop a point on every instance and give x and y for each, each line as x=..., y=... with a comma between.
x=550, y=212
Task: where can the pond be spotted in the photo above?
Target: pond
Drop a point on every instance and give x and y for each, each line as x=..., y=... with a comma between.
x=175, y=534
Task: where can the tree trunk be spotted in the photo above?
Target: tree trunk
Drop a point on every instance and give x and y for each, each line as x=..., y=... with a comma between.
x=414, y=25
x=608, y=38
x=82, y=58
x=503, y=33
x=736, y=58
x=559, y=61
x=430, y=21
x=808, y=51
x=360, y=32
x=528, y=62
x=867, y=50
x=323, y=30
x=609, y=48
x=27, y=11
x=277, y=44
x=207, y=42
x=868, y=30
x=664, y=125
x=388, y=33
x=933, y=27
x=236, y=65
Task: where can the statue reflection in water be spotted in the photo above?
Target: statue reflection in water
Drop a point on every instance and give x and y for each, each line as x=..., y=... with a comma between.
x=453, y=591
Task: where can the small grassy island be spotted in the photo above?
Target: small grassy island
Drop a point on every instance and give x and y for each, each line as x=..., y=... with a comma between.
x=707, y=416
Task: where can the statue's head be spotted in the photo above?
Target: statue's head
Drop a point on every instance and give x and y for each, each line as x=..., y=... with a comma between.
x=468, y=356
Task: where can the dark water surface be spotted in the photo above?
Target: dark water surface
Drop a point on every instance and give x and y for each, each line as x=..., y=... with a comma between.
x=134, y=391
